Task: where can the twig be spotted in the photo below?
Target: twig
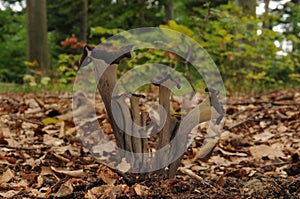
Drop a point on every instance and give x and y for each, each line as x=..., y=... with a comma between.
x=285, y=103
x=242, y=122
x=27, y=120
x=276, y=164
x=22, y=148
x=248, y=103
x=195, y=176
x=205, y=20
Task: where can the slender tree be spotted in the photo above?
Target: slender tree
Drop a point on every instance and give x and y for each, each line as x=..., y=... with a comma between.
x=266, y=23
x=84, y=21
x=169, y=9
x=249, y=6
x=37, y=39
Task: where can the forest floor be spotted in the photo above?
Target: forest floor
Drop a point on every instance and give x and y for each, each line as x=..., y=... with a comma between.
x=257, y=156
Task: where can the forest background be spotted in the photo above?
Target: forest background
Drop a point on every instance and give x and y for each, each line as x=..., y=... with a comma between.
x=255, y=44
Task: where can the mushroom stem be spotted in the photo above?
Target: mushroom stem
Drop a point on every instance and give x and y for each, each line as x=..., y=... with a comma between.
x=106, y=84
x=136, y=141
x=164, y=101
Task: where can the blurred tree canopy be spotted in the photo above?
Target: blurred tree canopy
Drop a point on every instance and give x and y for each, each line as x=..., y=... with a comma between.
x=244, y=45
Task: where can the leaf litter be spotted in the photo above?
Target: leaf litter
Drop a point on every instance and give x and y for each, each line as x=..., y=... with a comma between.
x=257, y=155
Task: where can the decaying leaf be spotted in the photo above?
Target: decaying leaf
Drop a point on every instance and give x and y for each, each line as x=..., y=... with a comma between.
x=106, y=191
x=52, y=141
x=263, y=136
x=6, y=176
x=73, y=173
x=65, y=189
x=124, y=166
x=9, y=194
x=108, y=176
x=263, y=150
x=140, y=190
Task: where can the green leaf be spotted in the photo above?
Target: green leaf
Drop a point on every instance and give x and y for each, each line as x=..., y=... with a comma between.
x=45, y=81
x=50, y=120
x=222, y=32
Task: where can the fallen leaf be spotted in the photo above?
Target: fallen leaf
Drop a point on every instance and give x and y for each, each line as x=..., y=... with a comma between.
x=220, y=161
x=263, y=150
x=50, y=120
x=108, y=176
x=124, y=166
x=9, y=194
x=6, y=176
x=65, y=189
x=263, y=136
x=52, y=141
x=140, y=190
x=74, y=173
x=282, y=129
x=232, y=153
x=221, y=181
x=106, y=191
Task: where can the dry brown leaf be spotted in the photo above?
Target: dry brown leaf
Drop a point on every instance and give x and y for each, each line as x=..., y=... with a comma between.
x=124, y=166
x=6, y=176
x=263, y=124
x=34, y=111
x=51, y=141
x=221, y=181
x=2, y=138
x=108, y=176
x=263, y=137
x=140, y=190
x=253, y=185
x=232, y=153
x=62, y=158
x=5, y=130
x=263, y=150
x=62, y=131
x=32, y=103
x=73, y=173
x=106, y=191
x=96, y=192
x=219, y=161
x=9, y=194
x=282, y=128
x=42, y=193
x=206, y=149
x=65, y=189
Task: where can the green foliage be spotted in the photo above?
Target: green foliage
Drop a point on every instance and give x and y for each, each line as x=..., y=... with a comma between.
x=67, y=68
x=37, y=81
x=12, y=45
x=126, y=14
x=245, y=52
x=246, y=59
x=180, y=28
x=35, y=78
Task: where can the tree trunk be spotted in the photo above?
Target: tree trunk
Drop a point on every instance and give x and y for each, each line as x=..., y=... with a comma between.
x=84, y=21
x=295, y=24
x=266, y=23
x=249, y=6
x=37, y=37
x=169, y=9
x=142, y=4
x=249, y=9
